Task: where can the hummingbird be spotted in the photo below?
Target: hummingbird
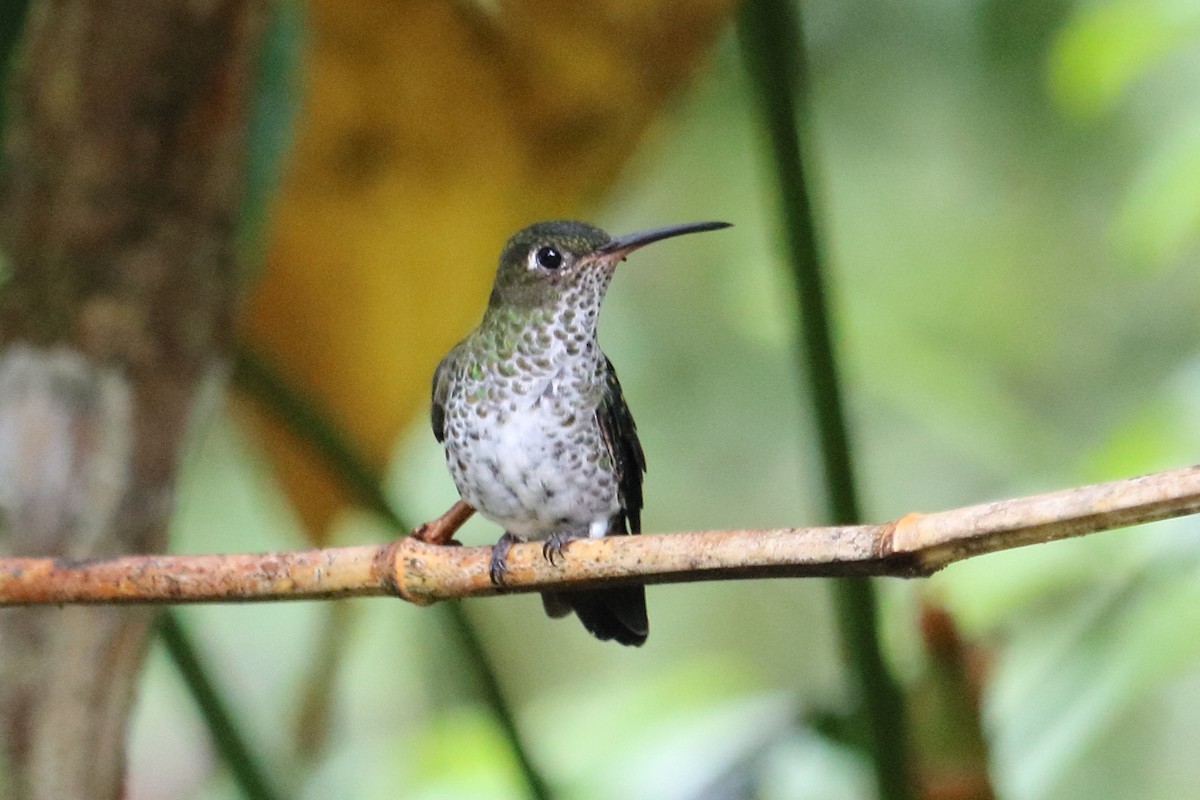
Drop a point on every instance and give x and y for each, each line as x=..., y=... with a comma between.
x=537, y=434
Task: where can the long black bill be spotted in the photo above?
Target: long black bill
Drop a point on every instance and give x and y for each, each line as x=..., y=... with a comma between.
x=624, y=245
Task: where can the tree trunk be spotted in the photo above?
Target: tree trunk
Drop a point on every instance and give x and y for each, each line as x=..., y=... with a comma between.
x=124, y=154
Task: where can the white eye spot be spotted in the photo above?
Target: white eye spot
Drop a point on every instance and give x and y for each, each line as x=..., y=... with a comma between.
x=546, y=257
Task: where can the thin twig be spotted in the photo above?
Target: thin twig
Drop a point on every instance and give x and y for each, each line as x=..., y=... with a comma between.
x=442, y=529
x=913, y=546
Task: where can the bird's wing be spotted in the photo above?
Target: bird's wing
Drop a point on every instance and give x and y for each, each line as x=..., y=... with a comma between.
x=441, y=393
x=620, y=437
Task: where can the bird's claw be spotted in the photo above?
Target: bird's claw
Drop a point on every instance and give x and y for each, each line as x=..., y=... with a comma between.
x=554, y=546
x=497, y=569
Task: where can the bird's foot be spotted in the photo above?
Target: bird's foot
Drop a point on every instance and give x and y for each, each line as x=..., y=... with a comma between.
x=496, y=566
x=441, y=530
x=555, y=544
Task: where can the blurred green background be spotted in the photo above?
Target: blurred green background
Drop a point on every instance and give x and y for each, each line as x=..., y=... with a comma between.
x=1008, y=193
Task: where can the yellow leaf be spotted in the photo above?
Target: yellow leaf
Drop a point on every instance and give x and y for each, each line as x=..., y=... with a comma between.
x=429, y=132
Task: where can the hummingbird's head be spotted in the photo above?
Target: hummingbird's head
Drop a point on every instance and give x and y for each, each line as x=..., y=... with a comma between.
x=549, y=261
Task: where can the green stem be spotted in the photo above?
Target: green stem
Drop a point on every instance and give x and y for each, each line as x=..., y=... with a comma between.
x=229, y=741
x=12, y=23
x=773, y=48
x=255, y=377
x=485, y=679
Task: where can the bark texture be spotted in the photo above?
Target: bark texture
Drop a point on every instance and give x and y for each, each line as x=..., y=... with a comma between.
x=124, y=153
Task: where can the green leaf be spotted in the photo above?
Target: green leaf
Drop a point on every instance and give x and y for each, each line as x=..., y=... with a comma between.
x=1105, y=48
x=1160, y=214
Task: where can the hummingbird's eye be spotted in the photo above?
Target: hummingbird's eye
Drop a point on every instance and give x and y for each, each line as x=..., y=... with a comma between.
x=548, y=258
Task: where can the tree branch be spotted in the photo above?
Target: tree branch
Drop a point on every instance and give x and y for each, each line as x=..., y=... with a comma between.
x=915, y=545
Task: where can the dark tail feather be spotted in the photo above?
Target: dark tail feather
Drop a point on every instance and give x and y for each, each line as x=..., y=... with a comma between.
x=607, y=613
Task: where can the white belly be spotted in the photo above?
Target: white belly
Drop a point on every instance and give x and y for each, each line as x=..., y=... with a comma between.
x=529, y=471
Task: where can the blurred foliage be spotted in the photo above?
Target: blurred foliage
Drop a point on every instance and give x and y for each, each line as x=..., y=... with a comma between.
x=1005, y=188
x=773, y=45
x=1107, y=47
x=1101, y=55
